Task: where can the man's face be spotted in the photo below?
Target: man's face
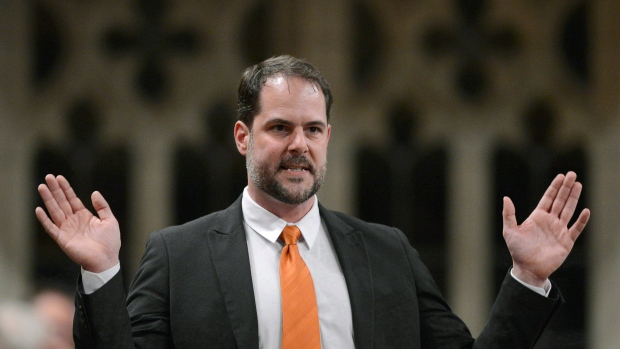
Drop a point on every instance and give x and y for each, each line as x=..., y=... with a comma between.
x=286, y=154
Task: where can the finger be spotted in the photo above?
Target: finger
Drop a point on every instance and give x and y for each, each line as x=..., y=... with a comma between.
x=55, y=212
x=48, y=225
x=58, y=194
x=74, y=201
x=509, y=214
x=563, y=194
x=579, y=224
x=101, y=206
x=546, y=201
x=571, y=204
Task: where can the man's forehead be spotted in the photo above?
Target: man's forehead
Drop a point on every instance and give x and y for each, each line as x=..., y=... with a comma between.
x=276, y=80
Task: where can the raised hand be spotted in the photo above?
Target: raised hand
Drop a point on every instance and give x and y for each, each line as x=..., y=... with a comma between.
x=90, y=241
x=543, y=241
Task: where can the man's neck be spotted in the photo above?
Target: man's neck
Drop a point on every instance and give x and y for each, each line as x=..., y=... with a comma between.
x=290, y=213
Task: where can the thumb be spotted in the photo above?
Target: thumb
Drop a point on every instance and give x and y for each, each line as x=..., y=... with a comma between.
x=101, y=206
x=508, y=214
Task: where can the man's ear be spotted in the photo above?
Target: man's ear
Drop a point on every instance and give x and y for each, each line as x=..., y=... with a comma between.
x=329, y=132
x=242, y=137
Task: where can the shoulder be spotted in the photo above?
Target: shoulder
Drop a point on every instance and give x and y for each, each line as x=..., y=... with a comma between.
x=379, y=236
x=225, y=221
x=362, y=225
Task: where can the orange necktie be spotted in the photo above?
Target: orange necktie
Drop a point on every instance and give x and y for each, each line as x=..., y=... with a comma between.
x=300, y=315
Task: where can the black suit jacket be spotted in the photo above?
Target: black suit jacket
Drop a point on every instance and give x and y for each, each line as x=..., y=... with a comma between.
x=194, y=290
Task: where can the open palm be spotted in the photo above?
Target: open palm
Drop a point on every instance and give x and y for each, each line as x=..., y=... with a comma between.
x=90, y=241
x=542, y=242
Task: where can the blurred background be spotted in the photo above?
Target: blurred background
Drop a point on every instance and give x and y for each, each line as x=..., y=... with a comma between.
x=441, y=108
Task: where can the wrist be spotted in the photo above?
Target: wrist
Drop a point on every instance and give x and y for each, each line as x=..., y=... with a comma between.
x=101, y=267
x=529, y=277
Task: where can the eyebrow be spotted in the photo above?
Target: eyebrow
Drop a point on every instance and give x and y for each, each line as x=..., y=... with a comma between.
x=288, y=122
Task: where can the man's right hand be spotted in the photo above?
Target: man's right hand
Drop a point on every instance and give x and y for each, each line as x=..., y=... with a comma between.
x=91, y=242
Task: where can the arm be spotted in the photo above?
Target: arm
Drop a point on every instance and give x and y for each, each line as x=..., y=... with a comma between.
x=538, y=247
x=517, y=318
x=94, y=243
x=102, y=318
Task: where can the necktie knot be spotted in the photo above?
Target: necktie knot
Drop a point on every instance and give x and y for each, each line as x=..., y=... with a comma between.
x=290, y=235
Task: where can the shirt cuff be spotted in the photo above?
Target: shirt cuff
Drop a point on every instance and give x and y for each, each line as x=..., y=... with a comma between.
x=543, y=291
x=94, y=281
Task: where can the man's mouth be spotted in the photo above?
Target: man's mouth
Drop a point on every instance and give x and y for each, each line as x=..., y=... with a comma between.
x=297, y=165
x=294, y=168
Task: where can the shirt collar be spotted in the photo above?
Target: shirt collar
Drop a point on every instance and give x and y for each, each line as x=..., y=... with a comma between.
x=270, y=226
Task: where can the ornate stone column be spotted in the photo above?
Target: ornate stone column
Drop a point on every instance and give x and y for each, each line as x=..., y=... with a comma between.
x=604, y=284
x=469, y=244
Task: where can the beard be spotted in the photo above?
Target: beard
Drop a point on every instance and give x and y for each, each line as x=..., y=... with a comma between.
x=264, y=177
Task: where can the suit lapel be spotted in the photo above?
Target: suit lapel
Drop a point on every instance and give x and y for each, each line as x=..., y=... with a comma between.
x=229, y=249
x=352, y=255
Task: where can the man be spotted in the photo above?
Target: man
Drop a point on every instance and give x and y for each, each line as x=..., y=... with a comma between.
x=215, y=283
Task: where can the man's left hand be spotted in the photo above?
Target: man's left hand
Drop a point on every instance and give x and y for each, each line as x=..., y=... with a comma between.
x=542, y=242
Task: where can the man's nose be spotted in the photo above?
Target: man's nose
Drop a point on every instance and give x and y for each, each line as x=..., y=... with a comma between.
x=298, y=144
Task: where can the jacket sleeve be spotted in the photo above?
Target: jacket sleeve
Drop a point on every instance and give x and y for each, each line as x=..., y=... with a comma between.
x=107, y=319
x=101, y=319
x=517, y=317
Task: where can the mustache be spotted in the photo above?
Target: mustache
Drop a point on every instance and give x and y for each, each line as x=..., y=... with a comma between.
x=297, y=161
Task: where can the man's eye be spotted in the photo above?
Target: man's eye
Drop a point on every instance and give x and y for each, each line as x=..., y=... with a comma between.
x=314, y=129
x=279, y=128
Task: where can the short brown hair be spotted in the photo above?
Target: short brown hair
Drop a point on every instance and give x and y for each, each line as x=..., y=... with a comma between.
x=254, y=77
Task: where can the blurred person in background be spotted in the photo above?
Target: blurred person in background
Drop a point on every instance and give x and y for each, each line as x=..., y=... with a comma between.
x=21, y=326
x=56, y=309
